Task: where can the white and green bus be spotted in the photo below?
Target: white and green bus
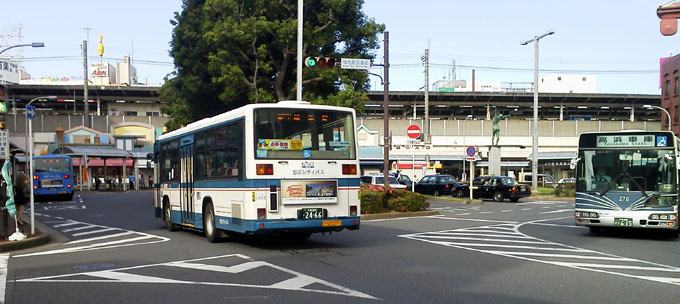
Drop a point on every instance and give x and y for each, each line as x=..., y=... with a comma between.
x=627, y=179
x=288, y=168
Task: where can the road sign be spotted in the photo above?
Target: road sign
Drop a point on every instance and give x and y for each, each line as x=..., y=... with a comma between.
x=30, y=112
x=355, y=64
x=470, y=153
x=413, y=131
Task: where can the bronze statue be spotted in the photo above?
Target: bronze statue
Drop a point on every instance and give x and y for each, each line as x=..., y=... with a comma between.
x=496, y=130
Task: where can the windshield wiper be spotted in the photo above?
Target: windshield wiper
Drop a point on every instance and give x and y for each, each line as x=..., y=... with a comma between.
x=624, y=174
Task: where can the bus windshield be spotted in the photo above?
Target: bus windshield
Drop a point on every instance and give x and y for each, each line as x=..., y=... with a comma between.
x=304, y=134
x=627, y=170
x=51, y=165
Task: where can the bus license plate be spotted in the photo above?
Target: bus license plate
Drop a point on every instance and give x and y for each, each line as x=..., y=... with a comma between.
x=624, y=222
x=311, y=213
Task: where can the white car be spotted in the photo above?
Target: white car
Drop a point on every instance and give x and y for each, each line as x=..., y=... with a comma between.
x=379, y=180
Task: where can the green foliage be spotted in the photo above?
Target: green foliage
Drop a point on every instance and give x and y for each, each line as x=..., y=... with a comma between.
x=404, y=201
x=566, y=190
x=546, y=191
x=377, y=199
x=228, y=53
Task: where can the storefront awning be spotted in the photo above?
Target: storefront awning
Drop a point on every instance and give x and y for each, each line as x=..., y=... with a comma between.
x=113, y=162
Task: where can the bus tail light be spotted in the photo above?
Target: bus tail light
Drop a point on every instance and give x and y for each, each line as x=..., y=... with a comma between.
x=352, y=210
x=261, y=213
x=35, y=187
x=68, y=186
x=349, y=169
x=66, y=176
x=35, y=177
x=265, y=169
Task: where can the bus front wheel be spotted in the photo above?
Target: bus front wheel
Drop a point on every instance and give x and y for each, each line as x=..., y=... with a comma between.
x=211, y=232
x=166, y=218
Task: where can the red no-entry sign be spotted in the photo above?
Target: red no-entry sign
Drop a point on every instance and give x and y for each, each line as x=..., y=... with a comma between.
x=413, y=131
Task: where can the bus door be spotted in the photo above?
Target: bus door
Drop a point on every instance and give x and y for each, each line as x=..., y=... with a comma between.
x=186, y=183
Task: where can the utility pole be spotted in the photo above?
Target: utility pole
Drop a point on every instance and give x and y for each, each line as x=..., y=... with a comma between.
x=85, y=97
x=386, y=113
x=426, y=123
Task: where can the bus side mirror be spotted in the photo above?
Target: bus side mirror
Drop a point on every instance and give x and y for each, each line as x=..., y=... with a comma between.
x=573, y=162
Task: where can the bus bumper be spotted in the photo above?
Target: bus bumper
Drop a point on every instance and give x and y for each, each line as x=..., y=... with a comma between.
x=297, y=225
x=641, y=219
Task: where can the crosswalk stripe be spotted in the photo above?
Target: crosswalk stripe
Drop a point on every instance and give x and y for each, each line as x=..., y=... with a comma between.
x=95, y=231
x=100, y=238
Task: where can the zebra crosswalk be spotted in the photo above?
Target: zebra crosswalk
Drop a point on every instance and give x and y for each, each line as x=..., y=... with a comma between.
x=85, y=236
x=506, y=240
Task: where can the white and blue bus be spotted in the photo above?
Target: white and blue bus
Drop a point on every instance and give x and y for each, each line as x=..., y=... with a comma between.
x=287, y=168
x=53, y=177
x=627, y=179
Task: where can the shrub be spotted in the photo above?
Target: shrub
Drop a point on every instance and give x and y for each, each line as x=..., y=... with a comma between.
x=566, y=190
x=377, y=199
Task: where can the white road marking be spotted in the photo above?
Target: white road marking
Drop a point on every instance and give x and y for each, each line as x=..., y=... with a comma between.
x=466, y=213
x=526, y=209
x=138, y=238
x=557, y=211
x=494, y=239
x=400, y=218
x=95, y=231
x=506, y=211
x=299, y=281
x=471, y=220
x=4, y=260
x=486, y=212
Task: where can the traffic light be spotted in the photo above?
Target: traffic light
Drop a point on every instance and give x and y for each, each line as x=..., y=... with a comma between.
x=3, y=105
x=320, y=62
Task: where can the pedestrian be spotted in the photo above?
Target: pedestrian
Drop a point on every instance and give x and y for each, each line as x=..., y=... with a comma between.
x=141, y=181
x=150, y=181
x=96, y=183
x=20, y=190
x=131, y=180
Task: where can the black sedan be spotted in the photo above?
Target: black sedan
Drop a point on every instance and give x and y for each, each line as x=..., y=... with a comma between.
x=440, y=184
x=499, y=188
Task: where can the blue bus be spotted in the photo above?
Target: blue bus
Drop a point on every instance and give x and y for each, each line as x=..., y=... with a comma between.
x=53, y=176
x=289, y=168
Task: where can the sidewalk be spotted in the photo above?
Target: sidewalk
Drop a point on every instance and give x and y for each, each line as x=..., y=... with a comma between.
x=39, y=238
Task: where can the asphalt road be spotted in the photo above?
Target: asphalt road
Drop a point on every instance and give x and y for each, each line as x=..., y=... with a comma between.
x=110, y=249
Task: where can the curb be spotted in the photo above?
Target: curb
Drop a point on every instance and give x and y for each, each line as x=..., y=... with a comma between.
x=392, y=215
x=41, y=239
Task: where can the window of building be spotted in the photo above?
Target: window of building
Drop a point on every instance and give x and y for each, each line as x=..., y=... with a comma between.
x=130, y=113
x=559, y=78
x=667, y=87
x=676, y=113
x=676, y=88
x=153, y=114
x=584, y=79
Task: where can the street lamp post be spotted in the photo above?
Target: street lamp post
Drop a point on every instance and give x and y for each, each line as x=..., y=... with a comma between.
x=30, y=159
x=662, y=109
x=33, y=44
x=534, y=161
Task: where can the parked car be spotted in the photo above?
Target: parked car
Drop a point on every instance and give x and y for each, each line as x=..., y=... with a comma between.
x=403, y=179
x=499, y=188
x=543, y=180
x=380, y=180
x=567, y=180
x=440, y=185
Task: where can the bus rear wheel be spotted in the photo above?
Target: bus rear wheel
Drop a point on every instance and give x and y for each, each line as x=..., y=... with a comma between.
x=211, y=232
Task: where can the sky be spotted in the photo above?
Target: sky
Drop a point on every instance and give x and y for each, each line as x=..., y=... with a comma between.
x=617, y=41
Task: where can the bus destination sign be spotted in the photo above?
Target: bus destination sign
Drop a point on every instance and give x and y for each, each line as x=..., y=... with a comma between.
x=628, y=140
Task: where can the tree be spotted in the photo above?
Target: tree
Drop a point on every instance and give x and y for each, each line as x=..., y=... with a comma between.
x=228, y=53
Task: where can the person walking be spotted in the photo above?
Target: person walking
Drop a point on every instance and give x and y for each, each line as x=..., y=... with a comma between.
x=20, y=190
x=131, y=179
x=96, y=183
